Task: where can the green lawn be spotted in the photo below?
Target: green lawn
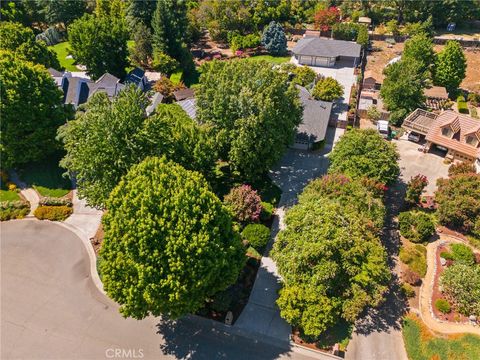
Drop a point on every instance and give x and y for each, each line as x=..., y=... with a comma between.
x=270, y=58
x=422, y=345
x=7, y=195
x=415, y=256
x=46, y=176
x=61, y=49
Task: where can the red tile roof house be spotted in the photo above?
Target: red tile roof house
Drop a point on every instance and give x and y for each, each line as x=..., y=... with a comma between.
x=458, y=133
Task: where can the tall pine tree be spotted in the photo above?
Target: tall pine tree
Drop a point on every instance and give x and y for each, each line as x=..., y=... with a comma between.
x=169, y=25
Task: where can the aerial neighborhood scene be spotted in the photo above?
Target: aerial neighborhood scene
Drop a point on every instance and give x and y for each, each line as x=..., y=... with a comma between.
x=240, y=179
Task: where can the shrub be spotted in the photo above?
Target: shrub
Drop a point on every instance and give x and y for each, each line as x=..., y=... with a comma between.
x=462, y=105
x=14, y=209
x=267, y=211
x=443, y=306
x=304, y=75
x=164, y=63
x=411, y=277
x=461, y=168
x=461, y=285
x=50, y=37
x=53, y=213
x=257, y=235
x=166, y=87
x=415, y=257
x=416, y=226
x=474, y=98
x=51, y=201
x=462, y=253
x=244, y=203
x=373, y=113
x=415, y=188
x=408, y=290
x=446, y=255
x=327, y=89
x=238, y=41
x=221, y=301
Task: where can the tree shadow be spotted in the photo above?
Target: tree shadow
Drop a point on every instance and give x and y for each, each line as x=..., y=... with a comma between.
x=196, y=338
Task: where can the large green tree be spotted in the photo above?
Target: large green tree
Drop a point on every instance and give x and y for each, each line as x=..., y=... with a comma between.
x=330, y=257
x=20, y=40
x=120, y=135
x=61, y=11
x=420, y=48
x=402, y=89
x=458, y=200
x=364, y=153
x=31, y=111
x=253, y=107
x=450, y=67
x=169, y=25
x=169, y=243
x=140, y=12
x=100, y=43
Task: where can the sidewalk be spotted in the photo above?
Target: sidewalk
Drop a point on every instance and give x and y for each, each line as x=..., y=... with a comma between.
x=426, y=296
x=84, y=217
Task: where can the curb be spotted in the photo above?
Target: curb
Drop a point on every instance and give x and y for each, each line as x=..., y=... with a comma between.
x=91, y=253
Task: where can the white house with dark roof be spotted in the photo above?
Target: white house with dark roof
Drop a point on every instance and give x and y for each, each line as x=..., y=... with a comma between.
x=316, y=115
x=315, y=51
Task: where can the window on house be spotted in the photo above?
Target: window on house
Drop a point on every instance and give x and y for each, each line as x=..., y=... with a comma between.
x=446, y=131
x=471, y=140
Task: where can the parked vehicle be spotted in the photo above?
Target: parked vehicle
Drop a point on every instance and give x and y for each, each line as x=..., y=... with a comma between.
x=413, y=136
x=383, y=128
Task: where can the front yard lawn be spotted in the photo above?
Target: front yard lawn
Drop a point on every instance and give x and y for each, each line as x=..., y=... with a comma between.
x=7, y=195
x=61, y=49
x=421, y=344
x=46, y=176
x=270, y=58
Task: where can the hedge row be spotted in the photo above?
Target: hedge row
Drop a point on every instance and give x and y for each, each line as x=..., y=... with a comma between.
x=14, y=209
x=53, y=213
x=51, y=201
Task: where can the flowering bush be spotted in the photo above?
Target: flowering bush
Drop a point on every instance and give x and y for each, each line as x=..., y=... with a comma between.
x=415, y=188
x=12, y=187
x=244, y=203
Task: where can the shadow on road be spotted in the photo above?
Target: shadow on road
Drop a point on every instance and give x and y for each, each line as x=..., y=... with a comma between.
x=389, y=315
x=194, y=339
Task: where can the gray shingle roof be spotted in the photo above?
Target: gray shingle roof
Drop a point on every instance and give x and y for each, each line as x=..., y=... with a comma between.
x=156, y=100
x=314, y=46
x=316, y=115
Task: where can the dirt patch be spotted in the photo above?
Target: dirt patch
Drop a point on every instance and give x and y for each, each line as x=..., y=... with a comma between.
x=97, y=240
x=380, y=56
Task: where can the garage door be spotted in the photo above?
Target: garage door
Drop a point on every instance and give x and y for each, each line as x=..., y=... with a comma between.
x=306, y=60
x=320, y=61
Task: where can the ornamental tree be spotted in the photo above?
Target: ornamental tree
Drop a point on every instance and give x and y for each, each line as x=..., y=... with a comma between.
x=120, y=135
x=241, y=99
x=244, y=203
x=451, y=65
x=20, y=41
x=415, y=188
x=402, y=89
x=274, y=39
x=461, y=284
x=327, y=89
x=324, y=19
x=31, y=111
x=100, y=43
x=364, y=153
x=304, y=75
x=461, y=168
x=169, y=243
x=332, y=263
x=458, y=200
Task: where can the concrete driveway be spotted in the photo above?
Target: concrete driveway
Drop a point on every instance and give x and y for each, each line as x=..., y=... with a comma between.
x=52, y=310
x=413, y=162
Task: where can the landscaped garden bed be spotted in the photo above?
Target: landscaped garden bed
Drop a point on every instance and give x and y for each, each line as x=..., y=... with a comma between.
x=12, y=203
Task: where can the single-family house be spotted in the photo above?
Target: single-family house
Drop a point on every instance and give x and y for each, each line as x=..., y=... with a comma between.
x=314, y=51
x=137, y=77
x=456, y=134
x=316, y=115
x=157, y=99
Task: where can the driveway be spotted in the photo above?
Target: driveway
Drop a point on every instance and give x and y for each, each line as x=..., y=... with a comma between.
x=52, y=310
x=297, y=168
x=413, y=162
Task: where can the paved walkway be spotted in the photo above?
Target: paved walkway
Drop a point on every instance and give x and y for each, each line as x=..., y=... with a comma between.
x=296, y=169
x=51, y=309
x=84, y=217
x=32, y=197
x=426, y=295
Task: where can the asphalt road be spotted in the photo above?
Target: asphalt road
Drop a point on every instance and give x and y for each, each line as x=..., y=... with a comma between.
x=51, y=310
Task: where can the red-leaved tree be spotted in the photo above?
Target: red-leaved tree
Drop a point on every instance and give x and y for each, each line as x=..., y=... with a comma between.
x=325, y=18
